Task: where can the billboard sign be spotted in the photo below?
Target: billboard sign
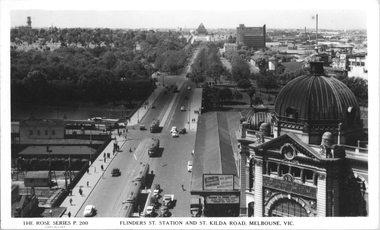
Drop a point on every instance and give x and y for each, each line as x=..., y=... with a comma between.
x=218, y=182
x=222, y=199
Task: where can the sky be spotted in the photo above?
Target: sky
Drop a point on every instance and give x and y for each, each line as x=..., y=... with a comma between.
x=290, y=14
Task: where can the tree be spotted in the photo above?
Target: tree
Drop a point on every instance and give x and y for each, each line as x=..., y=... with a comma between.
x=267, y=82
x=214, y=71
x=237, y=95
x=244, y=84
x=240, y=68
x=251, y=92
x=226, y=94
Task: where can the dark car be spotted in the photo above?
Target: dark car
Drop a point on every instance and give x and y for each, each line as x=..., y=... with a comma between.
x=116, y=172
x=182, y=131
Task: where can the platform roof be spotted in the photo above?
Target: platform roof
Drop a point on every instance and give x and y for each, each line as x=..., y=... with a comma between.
x=215, y=147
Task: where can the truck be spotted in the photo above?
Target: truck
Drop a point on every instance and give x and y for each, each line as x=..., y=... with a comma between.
x=195, y=207
x=168, y=200
x=155, y=126
x=154, y=146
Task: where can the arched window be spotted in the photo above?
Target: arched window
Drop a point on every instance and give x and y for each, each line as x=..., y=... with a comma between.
x=287, y=208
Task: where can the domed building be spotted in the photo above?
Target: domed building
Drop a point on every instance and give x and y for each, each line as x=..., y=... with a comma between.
x=313, y=104
x=304, y=158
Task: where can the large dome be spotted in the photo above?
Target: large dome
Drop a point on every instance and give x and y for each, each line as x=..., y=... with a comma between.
x=317, y=98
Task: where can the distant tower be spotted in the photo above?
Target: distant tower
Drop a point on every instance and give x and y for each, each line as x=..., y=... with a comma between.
x=29, y=21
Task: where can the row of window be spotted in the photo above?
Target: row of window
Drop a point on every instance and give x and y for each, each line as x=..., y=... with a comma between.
x=39, y=132
x=357, y=63
x=364, y=70
x=299, y=174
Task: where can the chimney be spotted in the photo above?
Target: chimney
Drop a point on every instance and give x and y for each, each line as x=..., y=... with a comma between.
x=316, y=68
x=29, y=21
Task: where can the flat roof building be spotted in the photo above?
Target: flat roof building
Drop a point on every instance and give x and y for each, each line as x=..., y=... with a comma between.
x=252, y=37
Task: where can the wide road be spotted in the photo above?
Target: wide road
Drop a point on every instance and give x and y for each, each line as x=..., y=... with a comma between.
x=170, y=169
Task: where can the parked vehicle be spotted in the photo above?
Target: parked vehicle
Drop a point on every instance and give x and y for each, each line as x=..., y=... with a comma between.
x=149, y=210
x=156, y=190
x=175, y=134
x=142, y=127
x=168, y=200
x=195, y=207
x=89, y=211
x=174, y=129
x=182, y=131
x=183, y=108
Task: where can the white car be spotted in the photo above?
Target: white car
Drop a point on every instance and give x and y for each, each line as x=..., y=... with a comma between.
x=149, y=210
x=174, y=129
x=175, y=134
x=189, y=166
x=89, y=211
x=183, y=108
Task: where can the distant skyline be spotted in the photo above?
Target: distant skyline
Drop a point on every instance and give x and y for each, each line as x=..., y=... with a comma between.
x=290, y=14
x=285, y=19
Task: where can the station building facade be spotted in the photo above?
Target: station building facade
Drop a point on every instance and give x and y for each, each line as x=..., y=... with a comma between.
x=302, y=160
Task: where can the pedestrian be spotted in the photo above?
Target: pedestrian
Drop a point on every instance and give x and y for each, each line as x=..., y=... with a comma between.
x=88, y=170
x=69, y=214
x=104, y=154
x=102, y=167
x=88, y=183
x=94, y=169
x=71, y=201
x=182, y=188
x=80, y=191
x=105, y=160
x=119, y=134
x=51, y=213
x=71, y=192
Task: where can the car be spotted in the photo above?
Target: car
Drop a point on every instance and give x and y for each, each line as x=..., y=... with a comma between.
x=142, y=127
x=174, y=129
x=189, y=166
x=158, y=73
x=156, y=190
x=175, y=134
x=182, y=131
x=149, y=209
x=189, y=88
x=183, y=108
x=89, y=211
x=116, y=172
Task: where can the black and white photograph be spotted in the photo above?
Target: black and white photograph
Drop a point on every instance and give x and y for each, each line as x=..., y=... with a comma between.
x=189, y=115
